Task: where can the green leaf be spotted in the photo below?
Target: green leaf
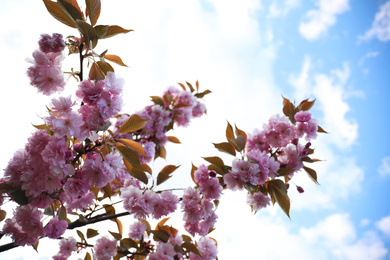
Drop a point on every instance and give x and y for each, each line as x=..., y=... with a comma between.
x=132, y=124
x=70, y=10
x=312, y=174
x=278, y=192
x=92, y=233
x=115, y=58
x=93, y=9
x=56, y=11
x=226, y=148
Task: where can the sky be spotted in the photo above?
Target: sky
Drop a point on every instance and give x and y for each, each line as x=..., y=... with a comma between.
x=249, y=53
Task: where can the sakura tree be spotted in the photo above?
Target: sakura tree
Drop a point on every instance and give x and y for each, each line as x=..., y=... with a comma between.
x=88, y=158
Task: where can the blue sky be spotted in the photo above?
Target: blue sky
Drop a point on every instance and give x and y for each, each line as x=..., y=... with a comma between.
x=248, y=53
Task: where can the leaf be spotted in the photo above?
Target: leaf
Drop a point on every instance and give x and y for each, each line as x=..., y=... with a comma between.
x=132, y=124
x=278, y=192
x=160, y=235
x=240, y=132
x=35, y=246
x=129, y=242
x=229, y=132
x=107, y=191
x=117, y=236
x=19, y=196
x=87, y=256
x=105, y=67
x=225, y=147
x=101, y=30
x=193, y=169
x=136, y=173
x=312, y=174
x=130, y=156
x=190, y=86
x=215, y=160
x=197, y=86
x=115, y=58
x=87, y=31
x=157, y=100
x=134, y=145
x=305, y=105
x=289, y=109
x=202, y=94
x=70, y=9
x=96, y=73
x=3, y=214
x=81, y=235
x=284, y=171
x=112, y=30
x=164, y=174
x=191, y=248
x=182, y=86
x=173, y=139
x=310, y=160
x=93, y=9
x=92, y=233
x=320, y=130
x=120, y=226
x=62, y=213
x=110, y=210
x=56, y=11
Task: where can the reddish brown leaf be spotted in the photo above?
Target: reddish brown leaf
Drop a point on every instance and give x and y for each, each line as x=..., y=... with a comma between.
x=70, y=9
x=95, y=72
x=115, y=59
x=134, y=145
x=312, y=174
x=105, y=67
x=113, y=30
x=56, y=11
x=132, y=124
x=226, y=148
x=93, y=9
x=173, y=139
x=278, y=192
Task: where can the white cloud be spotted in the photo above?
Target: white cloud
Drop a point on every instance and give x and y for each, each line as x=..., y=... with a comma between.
x=277, y=9
x=384, y=225
x=317, y=21
x=368, y=55
x=380, y=26
x=384, y=169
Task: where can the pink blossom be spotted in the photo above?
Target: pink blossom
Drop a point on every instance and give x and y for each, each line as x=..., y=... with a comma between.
x=55, y=228
x=137, y=230
x=257, y=140
x=42, y=201
x=57, y=154
x=207, y=247
x=312, y=127
x=201, y=174
x=257, y=201
x=94, y=173
x=62, y=105
x=211, y=189
x=15, y=168
x=76, y=187
x=165, y=251
x=233, y=183
x=90, y=91
x=105, y=248
x=67, y=246
x=302, y=116
x=53, y=43
x=191, y=198
x=114, y=85
x=81, y=202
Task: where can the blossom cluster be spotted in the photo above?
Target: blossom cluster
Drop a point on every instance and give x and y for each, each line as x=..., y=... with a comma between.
x=45, y=74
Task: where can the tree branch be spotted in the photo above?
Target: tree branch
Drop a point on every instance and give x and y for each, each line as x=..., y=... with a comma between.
x=75, y=224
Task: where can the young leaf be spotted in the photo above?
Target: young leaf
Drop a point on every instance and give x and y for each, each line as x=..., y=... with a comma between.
x=160, y=235
x=120, y=226
x=113, y=30
x=56, y=11
x=92, y=233
x=96, y=73
x=136, y=173
x=202, y=94
x=190, y=86
x=70, y=10
x=278, y=191
x=35, y=246
x=62, y=213
x=320, y=130
x=157, y=100
x=115, y=59
x=88, y=256
x=130, y=156
x=215, y=160
x=110, y=210
x=173, y=139
x=87, y=31
x=81, y=235
x=191, y=248
x=183, y=86
x=229, y=132
x=105, y=67
x=133, y=123
x=93, y=9
x=226, y=148
x=134, y=145
x=312, y=174
x=193, y=169
x=165, y=173
x=240, y=132
x=129, y=242
x=3, y=214
x=305, y=105
x=117, y=236
x=197, y=86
